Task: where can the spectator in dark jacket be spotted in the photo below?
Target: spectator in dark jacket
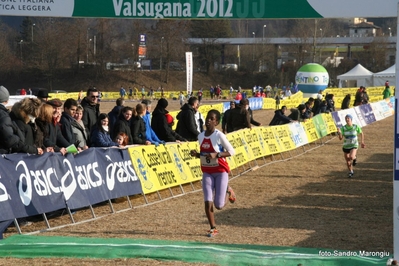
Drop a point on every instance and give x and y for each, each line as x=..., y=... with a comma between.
x=55, y=138
x=251, y=118
x=226, y=114
x=23, y=114
x=239, y=117
x=91, y=108
x=114, y=114
x=123, y=123
x=280, y=118
x=67, y=119
x=345, y=102
x=99, y=135
x=159, y=123
x=186, y=126
x=138, y=126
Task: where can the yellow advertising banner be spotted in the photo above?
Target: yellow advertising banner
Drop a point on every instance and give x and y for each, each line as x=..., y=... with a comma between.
x=310, y=130
x=242, y=150
x=252, y=139
x=264, y=148
x=155, y=167
x=329, y=121
x=271, y=144
x=189, y=168
x=283, y=136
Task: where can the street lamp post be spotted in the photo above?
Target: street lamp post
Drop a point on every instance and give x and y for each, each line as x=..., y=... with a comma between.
x=160, y=61
x=94, y=47
x=253, y=49
x=390, y=32
x=263, y=36
x=87, y=45
x=32, y=30
x=20, y=47
x=321, y=36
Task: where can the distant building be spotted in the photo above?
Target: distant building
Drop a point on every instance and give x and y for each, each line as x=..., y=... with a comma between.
x=362, y=28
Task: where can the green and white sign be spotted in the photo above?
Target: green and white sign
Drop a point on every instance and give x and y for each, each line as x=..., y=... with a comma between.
x=199, y=9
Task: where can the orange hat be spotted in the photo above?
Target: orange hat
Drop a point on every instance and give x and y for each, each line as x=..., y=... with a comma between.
x=169, y=118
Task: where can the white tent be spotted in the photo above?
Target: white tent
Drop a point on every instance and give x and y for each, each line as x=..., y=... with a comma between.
x=387, y=75
x=359, y=76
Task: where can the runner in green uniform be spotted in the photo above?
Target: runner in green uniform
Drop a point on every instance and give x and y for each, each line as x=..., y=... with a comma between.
x=349, y=133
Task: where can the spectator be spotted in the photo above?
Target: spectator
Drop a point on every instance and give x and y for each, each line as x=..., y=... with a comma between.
x=299, y=113
x=280, y=118
x=23, y=114
x=123, y=124
x=30, y=92
x=55, y=137
x=387, y=91
x=181, y=98
x=199, y=95
x=199, y=119
x=226, y=114
x=171, y=122
x=308, y=111
x=67, y=119
x=79, y=130
x=23, y=91
x=238, y=96
x=186, y=126
x=159, y=123
x=42, y=94
x=122, y=139
x=316, y=106
x=151, y=136
x=99, y=135
x=46, y=125
x=239, y=117
x=277, y=98
x=114, y=114
x=91, y=108
x=122, y=92
x=138, y=127
x=330, y=103
x=358, y=97
x=346, y=102
x=212, y=92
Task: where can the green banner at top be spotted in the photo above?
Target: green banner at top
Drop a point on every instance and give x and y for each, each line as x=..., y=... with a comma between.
x=200, y=9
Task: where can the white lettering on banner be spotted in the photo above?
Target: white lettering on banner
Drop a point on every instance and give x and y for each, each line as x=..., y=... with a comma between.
x=85, y=180
x=212, y=8
x=24, y=188
x=3, y=192
x=68, y=189
x=122, y=170
x=44, y=186
x=152, y=9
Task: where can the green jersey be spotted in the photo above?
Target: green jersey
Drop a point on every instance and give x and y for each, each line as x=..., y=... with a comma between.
x=350, y=136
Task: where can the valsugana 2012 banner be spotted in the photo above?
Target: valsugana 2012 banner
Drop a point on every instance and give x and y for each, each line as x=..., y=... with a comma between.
x=199, y=9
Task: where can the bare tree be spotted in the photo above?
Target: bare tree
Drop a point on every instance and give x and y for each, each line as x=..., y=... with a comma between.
x=170, y=42
x=210, y=31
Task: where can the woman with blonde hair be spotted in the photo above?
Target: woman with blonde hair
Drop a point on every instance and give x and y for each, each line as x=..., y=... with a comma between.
x=138, y=126
x=44, y=122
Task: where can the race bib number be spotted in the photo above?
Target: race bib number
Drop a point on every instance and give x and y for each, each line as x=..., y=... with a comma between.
x=209, y=162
